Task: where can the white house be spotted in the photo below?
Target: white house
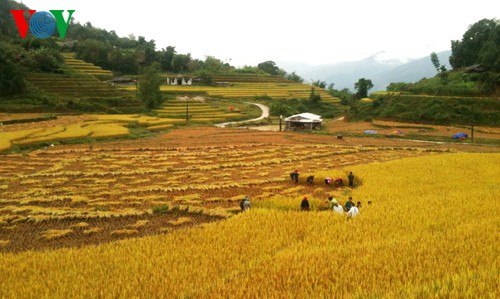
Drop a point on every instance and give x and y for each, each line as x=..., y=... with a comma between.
x=303, y=121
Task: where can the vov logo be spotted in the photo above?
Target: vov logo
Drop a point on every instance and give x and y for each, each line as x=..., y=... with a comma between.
x=42, y=23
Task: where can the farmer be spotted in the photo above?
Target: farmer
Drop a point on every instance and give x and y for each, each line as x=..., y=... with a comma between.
x=351, y=179
x=328, y=180
x=337, y=208
x=245, y=204
x=304, y=205
x=338, y=182
x=349, y=204
x=295, y=176
x=310, y=179
x=353, y=212
x=332, y=201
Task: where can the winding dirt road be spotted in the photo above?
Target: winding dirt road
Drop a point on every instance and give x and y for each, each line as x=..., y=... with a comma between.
x=265, y=114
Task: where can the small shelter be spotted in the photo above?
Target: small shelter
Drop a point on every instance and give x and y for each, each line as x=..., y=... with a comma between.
x=303, y=121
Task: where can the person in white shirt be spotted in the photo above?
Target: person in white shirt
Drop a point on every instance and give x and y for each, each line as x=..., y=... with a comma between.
x=353, y=212
x=338, y=208
x=246, y=204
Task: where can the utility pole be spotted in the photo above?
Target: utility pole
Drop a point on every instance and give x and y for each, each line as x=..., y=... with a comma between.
x=187, y=110
x=472, y=133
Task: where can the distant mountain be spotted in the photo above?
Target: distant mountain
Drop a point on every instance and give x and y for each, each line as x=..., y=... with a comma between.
x=382, y=72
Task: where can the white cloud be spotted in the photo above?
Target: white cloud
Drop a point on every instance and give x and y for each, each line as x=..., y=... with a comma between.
x=313, y=31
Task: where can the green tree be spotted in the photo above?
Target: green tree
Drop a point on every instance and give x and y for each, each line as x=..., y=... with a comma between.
x=345, y=95
x=45, y=60
x=167, y=58
x=441, y=69
x=489, y=55
x=466, y=52
x=362, y=87
x=269, y=67
x=205, y=77
x=294, y=77
x=149, y=86
x=94, y=51
x=435, y=61
x=314, y=98
x=320, y=84
x=181, y=62
x=214, y=65
x=11, y=74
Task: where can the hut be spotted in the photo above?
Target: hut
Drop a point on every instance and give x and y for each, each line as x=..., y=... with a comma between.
x=303, y=121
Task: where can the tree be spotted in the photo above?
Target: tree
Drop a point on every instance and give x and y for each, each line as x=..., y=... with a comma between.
x=441, y=69
x=181, y=62
x=214, y=65
x=269, y=67
x=489, y=55
x=362, y=87
x=45, y=60
x=149, y=86
x=466, y=52
x=314, y=99
x=167, y=58
x=11, y=75
x=205, y=77
x=320, y=84
x=435, y=61
x=294, y=77
x=345, y=95
x=94, y=51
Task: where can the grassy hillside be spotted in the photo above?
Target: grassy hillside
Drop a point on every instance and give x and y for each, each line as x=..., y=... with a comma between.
x=429, y=109
x=461, y=98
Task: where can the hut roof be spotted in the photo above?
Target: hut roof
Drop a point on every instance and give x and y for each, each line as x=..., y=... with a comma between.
x=304, y=117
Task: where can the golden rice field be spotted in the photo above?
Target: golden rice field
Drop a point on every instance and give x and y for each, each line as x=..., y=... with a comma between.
x=238, y=90
x=95, y=126
x=158, y=218
x=87, y=126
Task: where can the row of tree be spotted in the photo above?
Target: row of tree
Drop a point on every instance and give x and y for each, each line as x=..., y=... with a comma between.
x=480, y=44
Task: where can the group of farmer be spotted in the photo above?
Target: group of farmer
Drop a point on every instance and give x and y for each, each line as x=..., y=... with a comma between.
x=294, y=176
x=351, y=209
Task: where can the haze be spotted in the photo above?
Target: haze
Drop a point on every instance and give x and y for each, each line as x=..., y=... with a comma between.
x=312, y=32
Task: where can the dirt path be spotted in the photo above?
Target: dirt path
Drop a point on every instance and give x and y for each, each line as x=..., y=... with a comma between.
x=265, y=114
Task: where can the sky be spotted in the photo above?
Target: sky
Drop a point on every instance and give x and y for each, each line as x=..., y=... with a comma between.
x=308, y=31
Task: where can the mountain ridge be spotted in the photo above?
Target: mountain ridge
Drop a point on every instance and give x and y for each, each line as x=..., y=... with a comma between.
x=381, y=72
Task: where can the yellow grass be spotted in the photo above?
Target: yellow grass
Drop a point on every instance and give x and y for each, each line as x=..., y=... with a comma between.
x=80, y=225
x=431, y=232
x=92, y=230
x=138, y=224
x=124, y=232
x=56, y=233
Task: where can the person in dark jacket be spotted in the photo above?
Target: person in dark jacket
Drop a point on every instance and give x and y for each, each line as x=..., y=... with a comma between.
x=349, y=204
x=304, y=205
x=295, y=176
x=351, y=179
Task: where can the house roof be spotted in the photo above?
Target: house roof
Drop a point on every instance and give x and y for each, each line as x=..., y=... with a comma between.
x=304, y=117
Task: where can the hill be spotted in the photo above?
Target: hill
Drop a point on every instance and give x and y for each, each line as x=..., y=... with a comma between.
x=381, y=71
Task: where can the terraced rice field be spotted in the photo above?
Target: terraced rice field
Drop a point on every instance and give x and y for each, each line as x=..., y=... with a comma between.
x=202, y=112
x=81, y=66
x=78, y=127
x=109, y=189
x=245, y=90
x=173, y=202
